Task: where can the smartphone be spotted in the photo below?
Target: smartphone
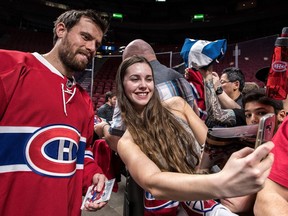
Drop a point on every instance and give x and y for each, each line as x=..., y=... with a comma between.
x=265, y=129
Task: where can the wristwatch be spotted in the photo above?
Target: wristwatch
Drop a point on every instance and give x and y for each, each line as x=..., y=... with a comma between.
x=219, y=90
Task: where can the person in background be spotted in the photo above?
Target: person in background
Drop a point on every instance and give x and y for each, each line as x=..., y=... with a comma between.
x=106, y=110
x=249, y=87
x=262, y=74
x=256, y=104
x=217, y=116
x=232, y=81
x=201, y=55
x=45, y=159
x=195, y=79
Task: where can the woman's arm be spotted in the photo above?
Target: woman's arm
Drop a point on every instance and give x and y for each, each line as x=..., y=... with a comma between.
x=244, y=173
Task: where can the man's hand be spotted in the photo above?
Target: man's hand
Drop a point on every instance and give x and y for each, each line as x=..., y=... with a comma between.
x=99, y=181
x=216, y=80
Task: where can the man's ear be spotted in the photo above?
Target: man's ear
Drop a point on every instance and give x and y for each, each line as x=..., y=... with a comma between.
x=281, y=115
x=61, y=30
x=237, y=84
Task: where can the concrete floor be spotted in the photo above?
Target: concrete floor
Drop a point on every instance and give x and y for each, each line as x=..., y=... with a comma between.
x=115, y=204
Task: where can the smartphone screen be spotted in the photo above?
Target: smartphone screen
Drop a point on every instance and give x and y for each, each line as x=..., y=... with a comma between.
x=265, y=129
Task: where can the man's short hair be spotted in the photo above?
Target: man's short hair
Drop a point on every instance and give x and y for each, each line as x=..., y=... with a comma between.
x=72, y=17
x=235, y=74
x=108, y=95
x=260, y=96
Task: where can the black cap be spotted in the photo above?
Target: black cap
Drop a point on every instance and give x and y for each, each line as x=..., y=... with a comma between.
x=262, y=74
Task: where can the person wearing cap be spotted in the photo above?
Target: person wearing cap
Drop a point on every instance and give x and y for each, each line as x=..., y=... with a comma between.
x=195, y=79
x=221, y=108
x=262, y=74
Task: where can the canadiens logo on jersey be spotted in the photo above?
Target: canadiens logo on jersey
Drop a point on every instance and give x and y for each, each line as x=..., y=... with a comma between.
x=159, y=207
x=52, y=150
x=155, y=207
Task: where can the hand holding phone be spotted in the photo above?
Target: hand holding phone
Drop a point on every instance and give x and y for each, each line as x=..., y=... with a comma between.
x=265, y=129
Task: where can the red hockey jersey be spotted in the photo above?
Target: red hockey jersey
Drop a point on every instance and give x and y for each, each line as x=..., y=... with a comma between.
x=46, y=124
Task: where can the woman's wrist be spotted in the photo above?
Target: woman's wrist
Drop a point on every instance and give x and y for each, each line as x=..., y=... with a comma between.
x=103, y=128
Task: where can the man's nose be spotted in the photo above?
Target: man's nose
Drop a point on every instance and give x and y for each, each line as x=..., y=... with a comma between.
x=254, y=119
x=91, y=46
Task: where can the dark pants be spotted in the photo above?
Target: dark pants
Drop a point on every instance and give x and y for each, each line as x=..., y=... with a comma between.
x=133, y=198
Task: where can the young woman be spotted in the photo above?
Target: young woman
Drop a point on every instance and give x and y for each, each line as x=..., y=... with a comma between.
x=162, y=145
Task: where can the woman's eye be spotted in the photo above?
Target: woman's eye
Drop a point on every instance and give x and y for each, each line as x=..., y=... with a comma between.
x=149, y=79
x=134, y=79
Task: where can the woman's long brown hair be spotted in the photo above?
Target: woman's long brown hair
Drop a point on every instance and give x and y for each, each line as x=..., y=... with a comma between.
x=158, y=133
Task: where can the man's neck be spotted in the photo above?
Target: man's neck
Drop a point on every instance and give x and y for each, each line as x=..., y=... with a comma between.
x=235, y=95
x=54, y=60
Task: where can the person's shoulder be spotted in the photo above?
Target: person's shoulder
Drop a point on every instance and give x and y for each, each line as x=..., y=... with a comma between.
x=14, y=55
x=163, y=73
x=15, y=59
x=176, y=102
x=102, y=107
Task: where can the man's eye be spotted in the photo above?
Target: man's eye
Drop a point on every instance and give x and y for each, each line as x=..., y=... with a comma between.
x=85, y=37
x=262, y=113
x=247, y=115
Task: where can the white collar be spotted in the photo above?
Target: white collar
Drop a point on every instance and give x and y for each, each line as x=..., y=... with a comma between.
x=47, y=64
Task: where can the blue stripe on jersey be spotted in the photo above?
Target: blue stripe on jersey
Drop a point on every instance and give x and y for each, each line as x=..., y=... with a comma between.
x=44, y=150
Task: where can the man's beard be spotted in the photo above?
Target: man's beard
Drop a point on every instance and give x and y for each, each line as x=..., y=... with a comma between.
x=67, y=57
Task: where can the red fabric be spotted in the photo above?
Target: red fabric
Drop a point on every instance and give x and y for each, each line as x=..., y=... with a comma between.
x=40, y=176
x=279, y=171
x=107, y=160
x=195, y=77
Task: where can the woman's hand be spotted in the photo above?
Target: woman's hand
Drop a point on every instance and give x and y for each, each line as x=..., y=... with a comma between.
x=246, y=171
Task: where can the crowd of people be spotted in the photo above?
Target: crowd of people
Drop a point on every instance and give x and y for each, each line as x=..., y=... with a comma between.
x=157, y=122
